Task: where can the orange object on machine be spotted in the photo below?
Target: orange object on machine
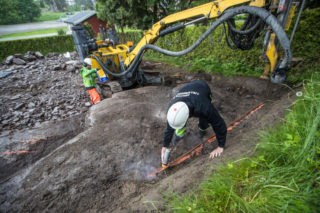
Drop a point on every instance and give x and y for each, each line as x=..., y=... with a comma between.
x=94, y=96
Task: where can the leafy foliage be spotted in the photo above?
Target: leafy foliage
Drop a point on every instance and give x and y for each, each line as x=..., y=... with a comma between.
x=56, y=5
x=89, y=30
x=61, y=32
x=85, y=4
x=18, y=11
x=306, y=44
x=139, y=13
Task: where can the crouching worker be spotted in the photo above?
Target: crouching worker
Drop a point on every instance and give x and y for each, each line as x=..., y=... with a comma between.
x=88, y=74
x=193, y=99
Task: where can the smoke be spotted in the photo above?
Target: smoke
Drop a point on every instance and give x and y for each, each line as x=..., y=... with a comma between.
x=140, y=169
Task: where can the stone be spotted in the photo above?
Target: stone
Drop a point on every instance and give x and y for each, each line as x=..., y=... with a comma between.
x=38, y=54
x=72, y=62
x=4, y=74
x=31, y=111
x=115, y=86
x=18, y=61
x=87, y=104
x=18, y=55
x=69, y=107
x=29, y=58
x=67, y=55
x=17, y=113
x=9, y=59
x=50, y=55
x=30, y=53
x=26, y=115
x=70, y=68
x=63, y=66
x=31, y=105
x=5, y=122
x=57, y=67
x=25, y=121
x=55, y=110
x=74, y=54
x=16, y=119
x=19, y=106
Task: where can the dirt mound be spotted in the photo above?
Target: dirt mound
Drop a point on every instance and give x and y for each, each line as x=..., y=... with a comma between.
x=105, y=167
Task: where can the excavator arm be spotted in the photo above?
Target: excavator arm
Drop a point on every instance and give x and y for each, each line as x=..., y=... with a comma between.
x=206, y=11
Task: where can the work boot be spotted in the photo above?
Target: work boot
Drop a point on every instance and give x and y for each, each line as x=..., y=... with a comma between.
x=201, y=133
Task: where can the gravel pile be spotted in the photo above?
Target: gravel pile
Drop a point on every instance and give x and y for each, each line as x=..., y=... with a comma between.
x=35, y=89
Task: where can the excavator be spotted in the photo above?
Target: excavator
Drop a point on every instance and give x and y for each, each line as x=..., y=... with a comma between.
x=120, y=62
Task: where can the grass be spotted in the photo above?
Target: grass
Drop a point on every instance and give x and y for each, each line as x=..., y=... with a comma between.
x=127, y=29
x=50, y=16
x=210, y=65
x=284, y=176
x=36, y=32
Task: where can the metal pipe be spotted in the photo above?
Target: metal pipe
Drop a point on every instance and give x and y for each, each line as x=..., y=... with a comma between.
x=297, y=21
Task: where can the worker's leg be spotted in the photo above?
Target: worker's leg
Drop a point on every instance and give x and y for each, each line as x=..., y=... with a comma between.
x=203, y=125
x=207, y=88
x=94, y=96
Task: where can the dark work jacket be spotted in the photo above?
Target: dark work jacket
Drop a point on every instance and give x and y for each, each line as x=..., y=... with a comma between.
x=197, y=95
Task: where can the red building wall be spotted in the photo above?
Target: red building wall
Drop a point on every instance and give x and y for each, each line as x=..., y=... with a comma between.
x=95, y=23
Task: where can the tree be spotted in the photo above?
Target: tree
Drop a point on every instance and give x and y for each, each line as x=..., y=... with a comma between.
x=56, y=5
x=85, y=4
x=42, y=5
x=139, y=13
x=312, y=4
x=61, y=5
x=18, y=11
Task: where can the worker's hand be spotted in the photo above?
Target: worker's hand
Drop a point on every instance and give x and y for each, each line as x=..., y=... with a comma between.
x=163, y=150
x=216, y=153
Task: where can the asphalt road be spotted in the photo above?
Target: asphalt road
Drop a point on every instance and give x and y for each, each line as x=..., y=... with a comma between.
x=18, y=28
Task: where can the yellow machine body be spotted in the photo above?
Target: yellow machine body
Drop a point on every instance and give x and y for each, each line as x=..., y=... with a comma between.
x=120, y=54
x=117, y=54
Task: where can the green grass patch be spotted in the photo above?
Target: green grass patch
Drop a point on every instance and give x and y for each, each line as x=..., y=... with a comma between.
x=35, y=32
x=50, y=16
x=128, y=30
x=283, y=177
x=211, y=65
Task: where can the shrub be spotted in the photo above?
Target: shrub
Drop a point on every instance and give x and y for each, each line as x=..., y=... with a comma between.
x=62, y=43
x=89, y=29
x=61, y=32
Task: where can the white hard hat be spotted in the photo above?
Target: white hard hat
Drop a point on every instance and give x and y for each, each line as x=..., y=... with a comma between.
x=178, y=115
x=88, y=61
